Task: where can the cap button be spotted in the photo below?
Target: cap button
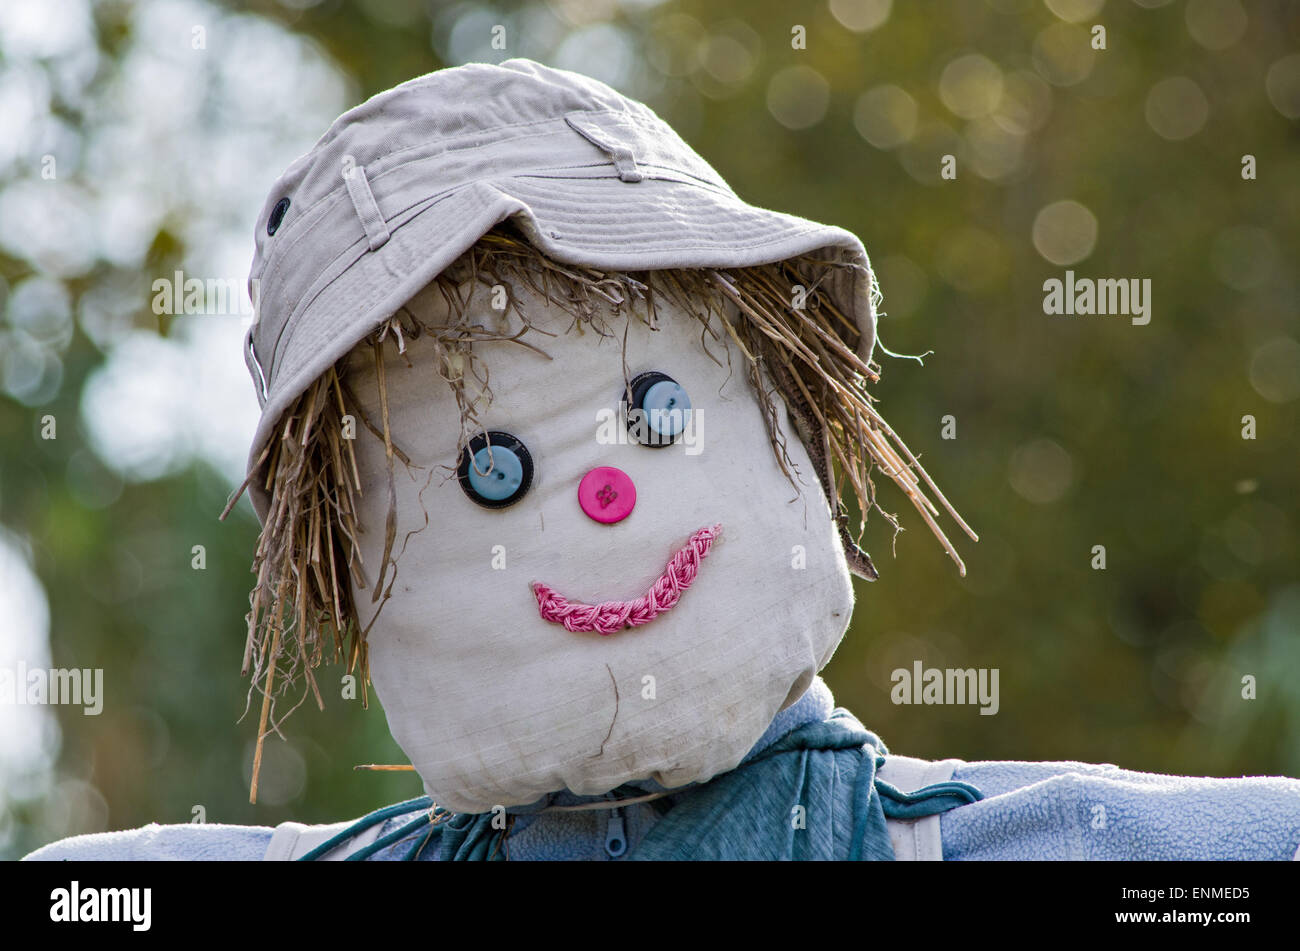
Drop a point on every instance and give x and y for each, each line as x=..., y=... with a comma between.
x=277, y=216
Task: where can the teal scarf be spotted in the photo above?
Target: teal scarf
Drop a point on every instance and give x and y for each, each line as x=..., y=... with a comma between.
x=813, y=794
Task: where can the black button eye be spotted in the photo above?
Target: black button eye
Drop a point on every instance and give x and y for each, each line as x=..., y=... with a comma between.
x=277, y=216
x=659, y=409
x=495, y=469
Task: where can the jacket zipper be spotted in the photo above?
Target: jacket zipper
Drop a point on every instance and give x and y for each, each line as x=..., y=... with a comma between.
x=616, y=834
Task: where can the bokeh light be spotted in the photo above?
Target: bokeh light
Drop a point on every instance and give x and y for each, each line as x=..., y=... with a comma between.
x=1063, y=54
x=1041, y=471
x=1065, y=232
x=798, y=97
x=885, y=116
x=861, y=16
x=993, y=151
x=1176, y=108
x=923, y=154
x=1275, y=370
x=1282, y=83
x=1075, y=11
x=971, y=86
x=1216, y=24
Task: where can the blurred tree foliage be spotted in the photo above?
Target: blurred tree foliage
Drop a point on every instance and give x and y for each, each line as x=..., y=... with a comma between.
x=1071, y=432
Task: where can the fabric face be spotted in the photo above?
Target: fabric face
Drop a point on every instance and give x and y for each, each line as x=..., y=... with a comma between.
x=494, y=705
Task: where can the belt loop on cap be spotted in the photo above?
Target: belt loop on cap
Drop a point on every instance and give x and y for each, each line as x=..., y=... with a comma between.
x=624, y=158
x=363, y=200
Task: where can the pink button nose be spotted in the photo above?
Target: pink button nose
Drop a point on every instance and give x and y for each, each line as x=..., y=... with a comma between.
x=607, y=494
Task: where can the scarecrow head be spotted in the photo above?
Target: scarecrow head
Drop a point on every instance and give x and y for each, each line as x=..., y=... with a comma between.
x=562, y=443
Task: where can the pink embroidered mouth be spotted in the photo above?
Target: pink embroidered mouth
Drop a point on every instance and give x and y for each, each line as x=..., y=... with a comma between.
x=609, y=617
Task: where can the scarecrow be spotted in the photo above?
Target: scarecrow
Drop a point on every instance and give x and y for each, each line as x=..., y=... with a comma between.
x=568, y=451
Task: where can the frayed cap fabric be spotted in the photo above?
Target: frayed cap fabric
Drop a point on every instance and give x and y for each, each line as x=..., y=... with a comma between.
x=405, y=183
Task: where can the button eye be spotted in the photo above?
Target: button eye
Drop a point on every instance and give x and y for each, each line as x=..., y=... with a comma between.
x=659, y=409
x=495, y=469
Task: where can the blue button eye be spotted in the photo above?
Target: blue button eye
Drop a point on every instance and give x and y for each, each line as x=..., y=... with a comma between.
x=659, y=409
x=495, y=470
x=667, y=408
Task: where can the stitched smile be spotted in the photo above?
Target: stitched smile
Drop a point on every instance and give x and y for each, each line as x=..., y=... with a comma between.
x=609, y=617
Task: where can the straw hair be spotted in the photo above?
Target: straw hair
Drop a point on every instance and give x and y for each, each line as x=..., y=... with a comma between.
x=782, y=318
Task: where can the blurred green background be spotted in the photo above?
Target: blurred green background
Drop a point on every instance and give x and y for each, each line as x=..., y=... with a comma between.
x=142, y=135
